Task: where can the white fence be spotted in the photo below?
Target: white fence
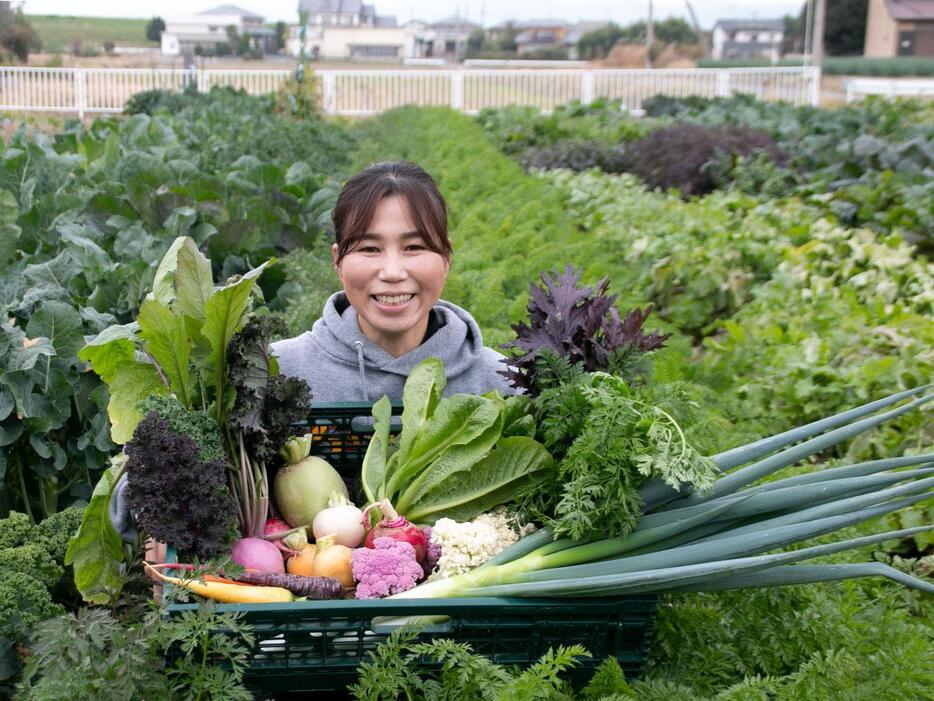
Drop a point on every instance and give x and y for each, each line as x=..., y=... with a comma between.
x=857, y=88
x=362, y=92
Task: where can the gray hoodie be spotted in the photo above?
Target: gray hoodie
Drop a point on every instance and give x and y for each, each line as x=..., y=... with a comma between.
x=340, y=364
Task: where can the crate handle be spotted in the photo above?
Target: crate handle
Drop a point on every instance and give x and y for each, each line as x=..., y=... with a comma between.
x=384, y=625
x=364, y=424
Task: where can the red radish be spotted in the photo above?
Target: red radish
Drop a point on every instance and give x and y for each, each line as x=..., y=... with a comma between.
x=289, y=540
x=257, y=554
x=396, y=527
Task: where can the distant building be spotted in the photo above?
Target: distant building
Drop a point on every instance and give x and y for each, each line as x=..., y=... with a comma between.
x=540, y=35
x=899, y=28
x=748, y=38
x=343, y=13
x=208, y=30
x=450, y=37
x=351, y=30
x=364, y=43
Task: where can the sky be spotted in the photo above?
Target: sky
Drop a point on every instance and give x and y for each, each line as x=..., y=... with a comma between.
x=486, y=12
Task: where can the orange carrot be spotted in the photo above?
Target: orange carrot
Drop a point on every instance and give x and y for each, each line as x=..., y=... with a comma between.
x=235, y=593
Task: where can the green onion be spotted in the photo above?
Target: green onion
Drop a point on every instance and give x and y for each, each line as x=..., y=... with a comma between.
x=722, y=538
x=676, y=576
x=785, y=575
x=763, y=468
x=752, y=451
x=794, y=497
x=656, y=493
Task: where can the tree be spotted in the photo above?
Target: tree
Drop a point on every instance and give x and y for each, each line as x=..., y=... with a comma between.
x=475, y=43
x=793, y=41
x=844, y=27
x=16, y=34
x=154, y=29
x=233, y=39
x=597, y=44
x=282, y=34
x=675, y=30
x=507, y=39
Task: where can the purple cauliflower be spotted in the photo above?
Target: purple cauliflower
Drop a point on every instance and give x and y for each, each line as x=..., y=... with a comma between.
x=389, y=567
x=433, y=553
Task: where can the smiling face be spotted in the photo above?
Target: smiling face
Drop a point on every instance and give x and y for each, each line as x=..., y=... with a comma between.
x=392, y=278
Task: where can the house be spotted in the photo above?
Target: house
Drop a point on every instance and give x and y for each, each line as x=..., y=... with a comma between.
x=899, y=28
x=540, y=35
x=351, y=30
x=450, y=37
x=209, y=30
x=343, y=13
x=748, y=38
x=364, y=42
x=544, y=34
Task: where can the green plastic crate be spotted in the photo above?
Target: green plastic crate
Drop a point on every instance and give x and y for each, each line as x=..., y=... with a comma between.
x=317, y=645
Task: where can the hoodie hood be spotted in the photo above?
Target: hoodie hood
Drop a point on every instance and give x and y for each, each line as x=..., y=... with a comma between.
x=336, y=346
x=457, y=342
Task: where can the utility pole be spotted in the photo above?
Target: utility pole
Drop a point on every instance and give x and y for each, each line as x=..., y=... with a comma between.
x=649, y=38
x=808, y=25
x=701, y=35
x=820, y=12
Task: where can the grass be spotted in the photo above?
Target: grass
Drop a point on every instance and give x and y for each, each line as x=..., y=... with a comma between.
x=58, y=32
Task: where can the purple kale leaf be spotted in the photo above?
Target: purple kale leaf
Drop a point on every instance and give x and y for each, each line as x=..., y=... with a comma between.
x=176, y=497
x=579, y=326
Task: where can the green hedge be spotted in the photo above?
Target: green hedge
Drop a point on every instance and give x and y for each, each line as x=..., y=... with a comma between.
x=840, y=65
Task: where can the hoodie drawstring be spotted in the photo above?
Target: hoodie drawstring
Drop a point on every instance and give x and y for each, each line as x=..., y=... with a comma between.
x=362, y=370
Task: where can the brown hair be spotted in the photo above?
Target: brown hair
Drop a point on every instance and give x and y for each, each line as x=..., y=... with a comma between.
x=364, y=191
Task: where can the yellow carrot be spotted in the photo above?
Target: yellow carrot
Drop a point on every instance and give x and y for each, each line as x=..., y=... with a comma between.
x=227, y=593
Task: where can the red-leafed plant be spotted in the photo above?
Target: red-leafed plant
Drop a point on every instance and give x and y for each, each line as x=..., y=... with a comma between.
x=580, y=326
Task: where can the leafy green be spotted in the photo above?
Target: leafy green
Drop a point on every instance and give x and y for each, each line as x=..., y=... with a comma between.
x=373, y=469
x=122, y=660
x=86, y=216
x=95, y=552
x=451, y=456
x=197, y=425
x=580, y=325
x=267, y=404
x=607, y=439
x=489, y=482
x=175, y=494
x=461, y=673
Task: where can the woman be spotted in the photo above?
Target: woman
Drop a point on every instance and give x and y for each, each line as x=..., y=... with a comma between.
x=392, y=254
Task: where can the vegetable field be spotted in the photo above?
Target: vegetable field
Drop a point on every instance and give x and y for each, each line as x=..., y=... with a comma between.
x=784, y=253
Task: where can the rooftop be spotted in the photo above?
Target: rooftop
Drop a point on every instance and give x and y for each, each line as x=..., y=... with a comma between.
x=735, y=25
x=907, y=10
x=232, y=10
x=322, y=7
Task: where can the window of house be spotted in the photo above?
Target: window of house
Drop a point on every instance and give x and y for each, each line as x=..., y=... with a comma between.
x=906, y=43
x=374, y=50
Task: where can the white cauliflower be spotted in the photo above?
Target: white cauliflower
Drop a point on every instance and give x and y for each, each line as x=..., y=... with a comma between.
x=465, y=546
